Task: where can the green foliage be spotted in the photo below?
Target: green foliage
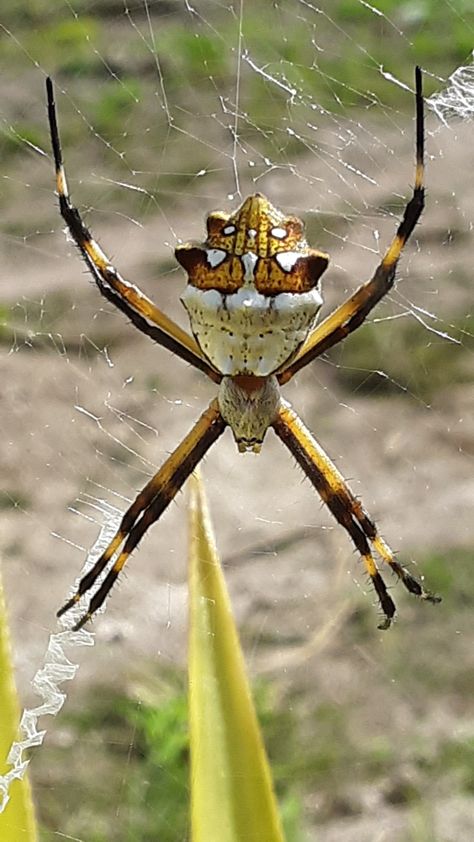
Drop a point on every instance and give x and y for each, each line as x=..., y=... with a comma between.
x=449, y=574
x=135, y=749
x=16, y=138
x=422, y=825
x=192, y=55
x=457, y=756
x=40, y=316
x=130, y=757
x=110, y=113
x=117, y=744
x=13, y=500
x=140, y=751
x=64, y=44
x=158, y=809
x=331, y=60
x=5, y=319
x=402, y=353
x=453, y=762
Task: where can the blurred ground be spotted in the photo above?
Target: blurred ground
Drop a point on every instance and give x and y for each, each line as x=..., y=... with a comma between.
x=297, y=588
x=388, y=715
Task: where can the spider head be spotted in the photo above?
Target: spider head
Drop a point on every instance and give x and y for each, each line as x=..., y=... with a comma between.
x=256, y=245
x=253, y=288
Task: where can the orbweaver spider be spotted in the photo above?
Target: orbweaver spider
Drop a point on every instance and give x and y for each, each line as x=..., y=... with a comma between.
x=252, y=298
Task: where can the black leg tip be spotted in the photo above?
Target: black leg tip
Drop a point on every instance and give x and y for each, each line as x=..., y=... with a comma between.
x=69, y=604
x=81, y=623
x=432, y=597
x=385, y=624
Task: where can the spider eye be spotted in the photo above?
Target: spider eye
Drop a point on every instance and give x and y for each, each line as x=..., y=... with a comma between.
x=279, y=233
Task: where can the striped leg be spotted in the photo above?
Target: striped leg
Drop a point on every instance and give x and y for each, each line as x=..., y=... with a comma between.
x=148, y=507
x=345, y=507
x=352, y=312
x=124, y=295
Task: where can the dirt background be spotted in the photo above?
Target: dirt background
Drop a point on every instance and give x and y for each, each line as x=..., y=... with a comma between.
x=90, y=407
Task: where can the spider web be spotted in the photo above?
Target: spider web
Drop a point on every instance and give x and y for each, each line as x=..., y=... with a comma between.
x=168, y=110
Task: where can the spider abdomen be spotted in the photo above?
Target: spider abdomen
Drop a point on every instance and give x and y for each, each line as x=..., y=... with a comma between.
x=249, y=405
x=247, y=332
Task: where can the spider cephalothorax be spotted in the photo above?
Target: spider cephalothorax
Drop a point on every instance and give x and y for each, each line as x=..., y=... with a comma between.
x=252, y=298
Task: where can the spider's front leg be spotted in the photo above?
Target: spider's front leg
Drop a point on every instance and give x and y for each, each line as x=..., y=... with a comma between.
x=125, y=296
x=345, y=507
x=354, y=310
x=148, y=507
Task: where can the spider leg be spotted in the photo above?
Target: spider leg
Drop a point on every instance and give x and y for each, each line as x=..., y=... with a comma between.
x=124, y=295
x=345, y=507
x=355, y=309
x=148, y=507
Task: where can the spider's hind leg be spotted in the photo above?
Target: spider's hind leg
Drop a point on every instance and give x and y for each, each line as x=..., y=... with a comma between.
x=383, y=550
x=346, y=508
x=411, y=582
x=146, y=509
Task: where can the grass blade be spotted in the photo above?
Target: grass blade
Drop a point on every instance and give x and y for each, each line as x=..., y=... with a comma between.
x=232, y=795
x=17, y=820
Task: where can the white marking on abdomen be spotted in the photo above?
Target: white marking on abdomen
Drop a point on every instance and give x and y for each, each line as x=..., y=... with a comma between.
x=249, y=333
x=287, y=259
x=215, y=257
x=249, y=260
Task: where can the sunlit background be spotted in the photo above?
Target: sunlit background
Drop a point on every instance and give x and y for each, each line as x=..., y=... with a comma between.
x=168, y=110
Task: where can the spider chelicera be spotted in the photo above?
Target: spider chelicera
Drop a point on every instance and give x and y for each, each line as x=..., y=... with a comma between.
x=252, y=298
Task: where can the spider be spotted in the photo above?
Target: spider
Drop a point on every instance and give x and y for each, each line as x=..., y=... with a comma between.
x=252, y=297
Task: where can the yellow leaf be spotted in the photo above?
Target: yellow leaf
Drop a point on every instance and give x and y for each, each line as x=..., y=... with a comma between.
x=232, y=798
x=17, y=822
